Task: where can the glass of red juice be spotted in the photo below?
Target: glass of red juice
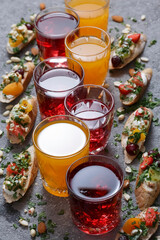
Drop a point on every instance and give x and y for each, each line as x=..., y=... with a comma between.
x=95, y=185
x=54, y=78
x=52, y=25
x=95, y=106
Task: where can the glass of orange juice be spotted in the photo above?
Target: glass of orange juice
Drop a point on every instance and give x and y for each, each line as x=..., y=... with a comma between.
x=91, y=12
x=58, y=142
x=90, y=46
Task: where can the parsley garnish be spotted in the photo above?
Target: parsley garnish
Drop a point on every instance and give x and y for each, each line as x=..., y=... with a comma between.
x=153, y=42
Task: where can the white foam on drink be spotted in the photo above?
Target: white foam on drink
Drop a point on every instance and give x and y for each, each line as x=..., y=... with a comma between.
x=61, y=139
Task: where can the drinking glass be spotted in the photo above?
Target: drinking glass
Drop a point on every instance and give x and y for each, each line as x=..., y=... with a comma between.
x=95, y=185
x=53, y=79
x=90, y=46
x=91, y=12
x=52, y=25
x=95, y=106
x=58, y=142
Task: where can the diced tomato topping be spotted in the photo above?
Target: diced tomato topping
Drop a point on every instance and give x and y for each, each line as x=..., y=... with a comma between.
x=135, y=37
x=138, y=114
x=150, y=217
x=137, y=79
x=16, y=130
x=13, y=169
x=146, y=162
x=125, y=89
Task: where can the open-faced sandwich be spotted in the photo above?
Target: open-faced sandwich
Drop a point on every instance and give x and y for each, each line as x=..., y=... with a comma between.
x=135, y=132
x=15, y=82
x=141, y=227
x=133, y=89
x=21, y=34
x=127, y=48
x=148, y=180
x=20, y=175
x=21, y=119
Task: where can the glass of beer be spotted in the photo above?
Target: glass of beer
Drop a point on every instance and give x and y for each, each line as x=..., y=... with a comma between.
x=91, y=12
x=58, y=142
x=90, y=46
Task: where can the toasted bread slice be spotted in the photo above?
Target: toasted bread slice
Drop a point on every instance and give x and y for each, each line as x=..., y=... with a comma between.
x=29, y=67
x=146, y=75
x=31, y=174
x=139, y=47
x=129, y=158
x=147, y=192
x=10, y=49
x=151, y=230
x=14, y=139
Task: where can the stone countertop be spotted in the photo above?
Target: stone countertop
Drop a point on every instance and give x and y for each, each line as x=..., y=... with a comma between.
x=11, y=12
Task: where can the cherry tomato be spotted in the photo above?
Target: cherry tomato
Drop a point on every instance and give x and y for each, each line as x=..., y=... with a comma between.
x=138, y=114
x=125, y=89
x=150, y=217
x=12, y=169
x=135, y=37
x=136, y=79
x=146, y=162
x=17, y=129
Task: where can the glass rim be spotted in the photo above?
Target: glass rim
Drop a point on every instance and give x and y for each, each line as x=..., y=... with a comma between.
x=58, y=57
x=91, y=27
x=95, y=86
x=54, y=10
x=106, y=5
x=61, y=157
x=98, y=199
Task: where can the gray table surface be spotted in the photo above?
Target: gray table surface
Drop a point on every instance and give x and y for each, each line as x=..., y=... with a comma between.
x=11, y=12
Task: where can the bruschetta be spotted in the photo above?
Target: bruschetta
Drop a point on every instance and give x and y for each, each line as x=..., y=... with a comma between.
x=21, y=119
x=15, y=82
x=20, y=35
x=148, y=180
x=127, y=48
x=20, y=175
x=133, y=89
x=135, y=132
x=141, y=227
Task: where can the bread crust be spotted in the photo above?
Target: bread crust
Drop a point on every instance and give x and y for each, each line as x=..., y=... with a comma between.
x=25, y=81
x=137, y=51
x=146, y=193
x=148, y=74
x=32, y=114
x=151, y=230
x=32, y=173
x=128, y=158
x=21, y=46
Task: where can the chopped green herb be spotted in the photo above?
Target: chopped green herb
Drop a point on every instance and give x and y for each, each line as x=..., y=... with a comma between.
x=134, y=20
x=15, y=226
x=39, y=196
x=153, y=42
x=116, y=156
x=41, y=216
x=51, y=226
x=31, y=204
x=139, y=66
x=117, y=137
x=156, y=121
x=110, y=30
x=115, y=124
x=16, y=50
x=117, y=30
x=3, y=121
x=42, y=203
x=66, y=237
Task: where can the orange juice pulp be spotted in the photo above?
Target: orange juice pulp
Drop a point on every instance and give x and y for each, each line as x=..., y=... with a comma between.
x=61, y=143
x=93, y=54
x=91, y=12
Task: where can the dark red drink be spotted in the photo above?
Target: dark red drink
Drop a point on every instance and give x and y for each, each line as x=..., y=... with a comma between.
x=95, y=106
x=52, y=27
x=57, y=82
x=95, y=189
x=94, y=113
x=54, y=78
